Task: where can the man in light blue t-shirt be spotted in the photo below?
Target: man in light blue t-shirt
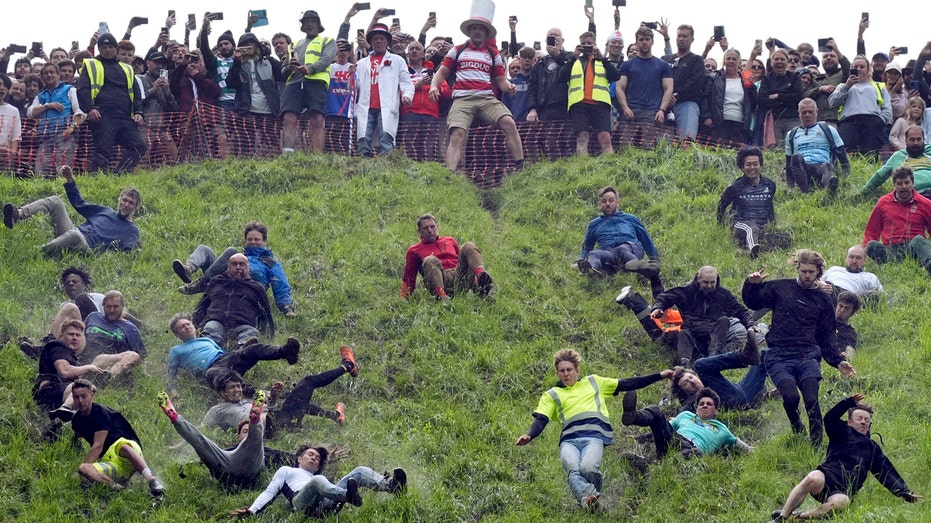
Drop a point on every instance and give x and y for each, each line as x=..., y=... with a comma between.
x=692, y=433
x=811, y=150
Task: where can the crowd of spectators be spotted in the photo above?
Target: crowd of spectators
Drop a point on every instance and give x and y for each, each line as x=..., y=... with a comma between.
x=672, y=92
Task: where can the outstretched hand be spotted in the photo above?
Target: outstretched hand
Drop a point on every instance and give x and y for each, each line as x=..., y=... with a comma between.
x=758, y=276
x=846, y=370
x=523, y=440
x=240, y=513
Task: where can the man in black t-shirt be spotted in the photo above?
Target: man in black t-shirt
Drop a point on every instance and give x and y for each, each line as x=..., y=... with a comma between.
x=115, y=453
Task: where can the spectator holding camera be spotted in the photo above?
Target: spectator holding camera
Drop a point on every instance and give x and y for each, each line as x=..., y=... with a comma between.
x=836, y=70
x=864, y=108
x=589, y=74
x=780, y=93
x=108, y=93
x=254, y=77
x=11, y=126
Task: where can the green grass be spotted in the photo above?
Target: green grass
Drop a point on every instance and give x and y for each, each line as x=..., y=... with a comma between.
x=446, y=389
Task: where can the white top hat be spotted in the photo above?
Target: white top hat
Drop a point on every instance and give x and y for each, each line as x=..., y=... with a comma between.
x=483, y=12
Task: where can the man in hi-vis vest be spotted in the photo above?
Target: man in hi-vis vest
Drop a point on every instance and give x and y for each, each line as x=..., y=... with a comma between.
x=308, y=78
x=109, y=95
x=589, y=74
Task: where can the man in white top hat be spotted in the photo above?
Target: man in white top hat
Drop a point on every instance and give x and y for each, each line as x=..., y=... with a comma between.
x=477, y=65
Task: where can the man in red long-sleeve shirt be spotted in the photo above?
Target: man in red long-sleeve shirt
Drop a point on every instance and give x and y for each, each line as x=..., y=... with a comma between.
x=444, y=265
x=900, y=223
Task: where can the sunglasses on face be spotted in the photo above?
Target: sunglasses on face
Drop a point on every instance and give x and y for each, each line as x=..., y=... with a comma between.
x=795, y=60
x=756, y=67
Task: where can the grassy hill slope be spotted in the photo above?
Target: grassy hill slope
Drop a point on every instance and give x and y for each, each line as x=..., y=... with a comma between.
x=447, y=388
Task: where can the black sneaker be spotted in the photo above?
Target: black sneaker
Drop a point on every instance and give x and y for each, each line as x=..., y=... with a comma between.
x=62, y=413
x=484, y=283
x=398, y=481
x=29, y=348
x=585, y=267
x=290, y=350
x=182, y=270
x=352, y=492
x=155, y=487
x=755, y=251
x=751, y=351
x=833, y=182
x=10, y=215
x=630, y=408
x=195, y=287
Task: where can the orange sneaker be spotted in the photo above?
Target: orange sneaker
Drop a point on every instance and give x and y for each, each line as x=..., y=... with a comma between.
x=349, y=357
x=341, y=410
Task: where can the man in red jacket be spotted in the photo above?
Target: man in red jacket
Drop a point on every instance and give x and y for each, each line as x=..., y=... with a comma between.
x=900, y=223
x=444, y=265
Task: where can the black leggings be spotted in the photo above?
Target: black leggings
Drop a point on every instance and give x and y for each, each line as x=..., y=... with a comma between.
x=298, y=403
x=790, y=399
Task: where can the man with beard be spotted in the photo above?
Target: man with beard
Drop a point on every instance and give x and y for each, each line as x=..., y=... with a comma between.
x=218, y=65
x=811, y=150
x=446, y=268
x=689, y=81
x=713, y=321
x=111, y=337
x=104, y=228
x=916, y=156
x=109, y=94
x=836, y=71
x=802, y=333
x=900, y=223
x=851, y=277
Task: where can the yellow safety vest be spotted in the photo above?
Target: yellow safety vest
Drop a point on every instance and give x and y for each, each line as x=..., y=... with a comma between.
x=580, y=402
x=600, y=91
x=95, y=75
x=312, y=53
x=879, y=99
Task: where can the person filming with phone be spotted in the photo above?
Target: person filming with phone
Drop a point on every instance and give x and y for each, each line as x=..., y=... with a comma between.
x=308, y=77
x=112, y=100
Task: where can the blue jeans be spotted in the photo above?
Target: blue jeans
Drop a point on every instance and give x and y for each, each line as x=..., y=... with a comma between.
x=374, y=129
x=205, y=259
x=611, y=260
x=733, y=395
x=215, y=330
x=687, y=115
x=581, y=459
x=320, y=496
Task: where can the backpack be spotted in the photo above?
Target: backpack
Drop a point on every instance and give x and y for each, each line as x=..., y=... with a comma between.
x=826, y=129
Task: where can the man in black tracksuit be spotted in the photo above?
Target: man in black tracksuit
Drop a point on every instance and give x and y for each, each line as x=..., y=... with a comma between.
x=109, y=94
x=852, y=454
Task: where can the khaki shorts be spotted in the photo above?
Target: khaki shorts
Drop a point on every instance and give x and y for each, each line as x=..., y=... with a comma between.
x=114, y=466
x=465, y=109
